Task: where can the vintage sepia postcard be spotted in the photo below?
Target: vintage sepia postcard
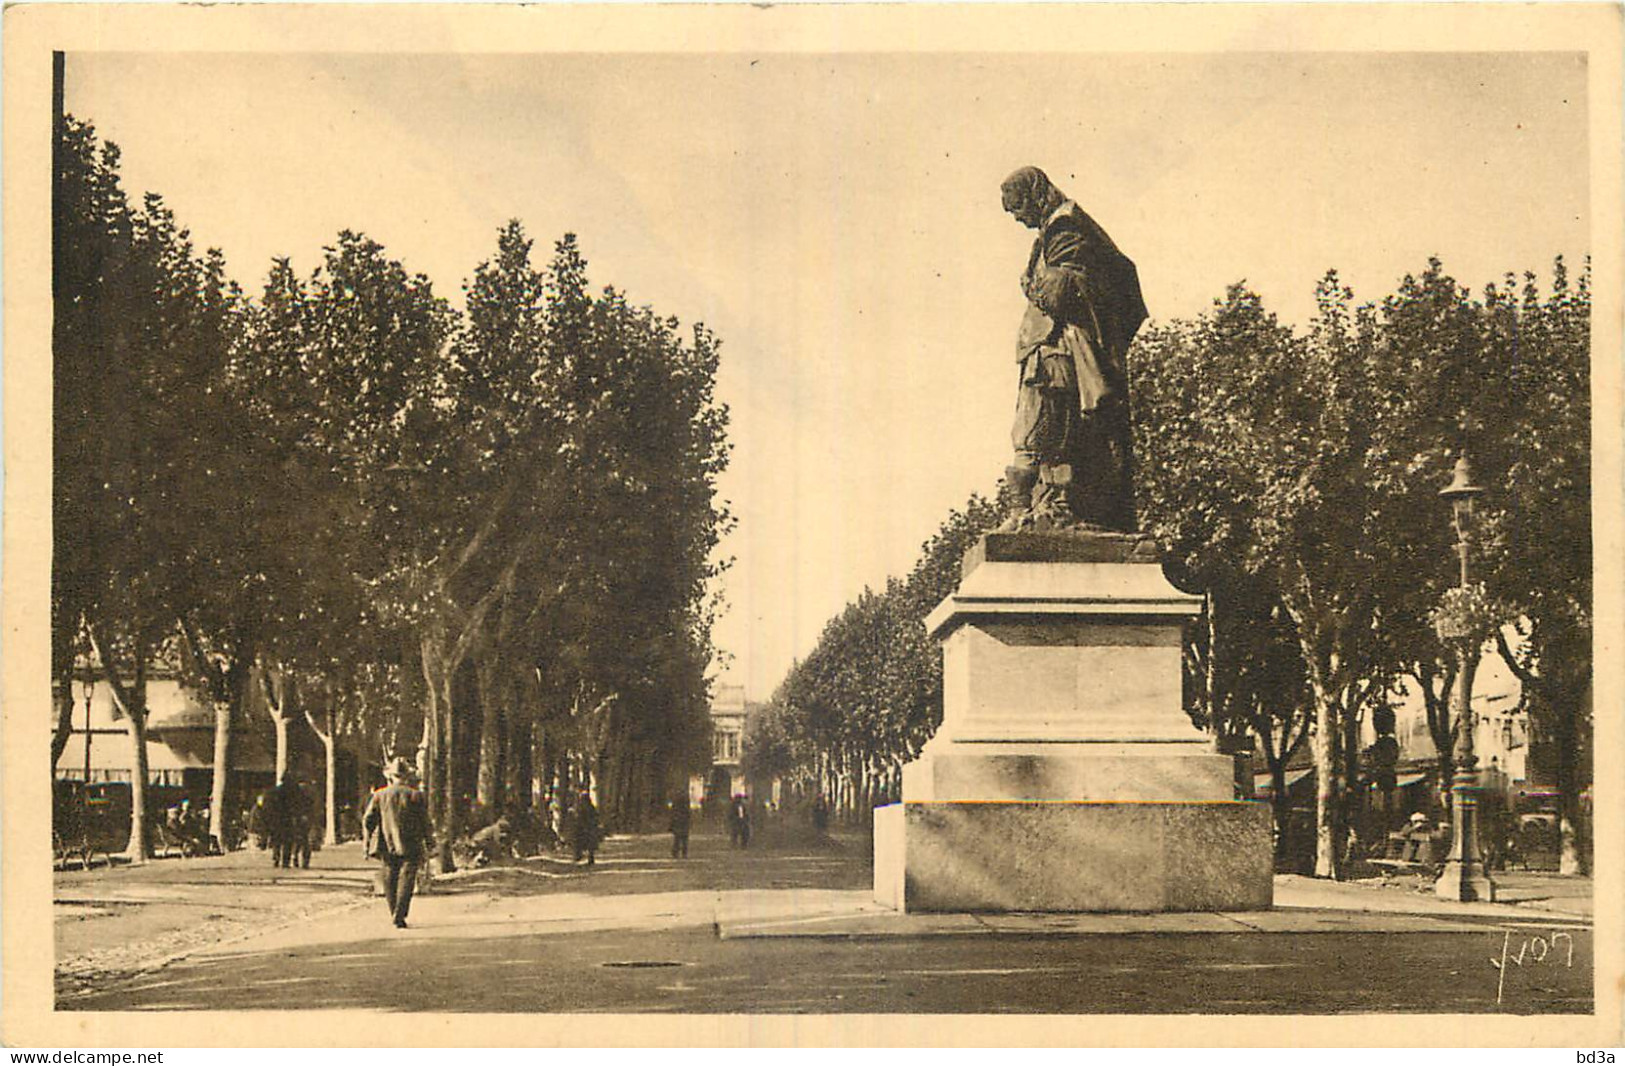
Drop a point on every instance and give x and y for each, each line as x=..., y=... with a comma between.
x=824, y=525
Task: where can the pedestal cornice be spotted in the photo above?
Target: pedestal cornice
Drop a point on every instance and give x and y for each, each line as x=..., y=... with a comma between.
x=1070, y=574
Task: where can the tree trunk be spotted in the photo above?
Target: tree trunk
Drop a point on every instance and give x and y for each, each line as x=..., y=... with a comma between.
x=64, y=656
x=330, y=835
x=1354, y=797
x=219, y=791
x=132, y=701
x=281, y=746
x=462, y=745
x=413, y=701
x=521, y=761
x=281, y=696
x=549, y=769
x=135, y=710
x=1441, y=725
x=139, y=847
x=1325, y=784
x=1570, y=860
x=559, y=790
x=1210, y=672
x=425, y=753
x=1566, y=697
x=436, y=779
x=493, y=772
x=1280, y=805
x=64, y=716
x=328, y=736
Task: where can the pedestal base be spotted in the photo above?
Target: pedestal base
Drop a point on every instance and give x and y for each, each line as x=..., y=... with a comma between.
x=1071, y=771
x=1465, y=883
x=1066, y=775
x=1073, y=856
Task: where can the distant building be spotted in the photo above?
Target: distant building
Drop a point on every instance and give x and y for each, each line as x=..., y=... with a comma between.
x=1501, y=736
x=180, y=743
x=727, y=742
x=1502, y=740
x=180, y=739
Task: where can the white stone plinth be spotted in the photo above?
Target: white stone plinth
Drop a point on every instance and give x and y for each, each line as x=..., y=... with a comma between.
x=1074, y=856
x=1066, y=774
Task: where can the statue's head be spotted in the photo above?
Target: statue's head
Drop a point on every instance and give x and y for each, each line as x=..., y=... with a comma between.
x=1029, y=195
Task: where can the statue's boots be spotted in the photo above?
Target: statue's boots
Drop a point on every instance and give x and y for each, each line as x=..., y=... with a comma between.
x=1052, y=497
x=1016, y=494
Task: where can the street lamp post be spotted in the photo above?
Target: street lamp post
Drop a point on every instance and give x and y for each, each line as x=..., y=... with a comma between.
x=1465, y=877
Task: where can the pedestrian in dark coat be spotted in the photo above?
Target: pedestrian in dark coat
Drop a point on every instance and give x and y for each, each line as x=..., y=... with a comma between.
x=302, y=827
x=681, y=817
x=259, y=823
x=739, y=822
x=396, y=830
x=585, y=838
x=290, y=818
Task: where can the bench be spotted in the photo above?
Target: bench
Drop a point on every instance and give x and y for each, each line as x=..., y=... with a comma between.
x=167, y=841
x=83, y=847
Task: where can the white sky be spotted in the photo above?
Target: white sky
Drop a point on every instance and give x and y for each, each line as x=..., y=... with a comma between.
x=836, y=221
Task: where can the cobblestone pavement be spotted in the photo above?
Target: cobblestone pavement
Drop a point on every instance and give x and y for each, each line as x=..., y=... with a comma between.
x=112, y=924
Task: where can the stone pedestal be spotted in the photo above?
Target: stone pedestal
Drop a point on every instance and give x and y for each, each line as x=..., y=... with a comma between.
x=1066, y=775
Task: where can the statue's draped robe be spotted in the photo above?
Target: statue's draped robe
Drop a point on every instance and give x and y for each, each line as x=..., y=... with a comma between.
x=1084, y=307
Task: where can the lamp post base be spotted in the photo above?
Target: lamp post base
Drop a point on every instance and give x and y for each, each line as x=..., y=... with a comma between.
x=1465, y=882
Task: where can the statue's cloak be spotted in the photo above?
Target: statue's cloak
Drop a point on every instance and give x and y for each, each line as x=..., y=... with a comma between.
x=1084, y=304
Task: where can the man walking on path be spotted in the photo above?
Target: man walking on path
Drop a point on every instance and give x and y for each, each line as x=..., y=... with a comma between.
x=680, y=818
x=586, y=828
x=739, y=822
x=299, y=831
x=290, y=816
x=396, y=829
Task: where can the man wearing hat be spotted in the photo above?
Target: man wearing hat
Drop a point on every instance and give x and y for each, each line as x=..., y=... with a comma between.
x=396, y=827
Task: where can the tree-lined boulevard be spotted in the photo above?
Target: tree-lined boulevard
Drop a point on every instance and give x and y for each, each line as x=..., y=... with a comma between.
x=346, y=513
x=484, y=540
x=1291, y=477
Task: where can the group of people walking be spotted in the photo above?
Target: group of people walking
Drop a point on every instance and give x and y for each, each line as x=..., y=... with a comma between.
x=681, y=821
x=282, y=820
x=396, y=831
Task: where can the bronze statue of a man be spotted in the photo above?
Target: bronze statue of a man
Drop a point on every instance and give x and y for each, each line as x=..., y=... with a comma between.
x=1071, y=433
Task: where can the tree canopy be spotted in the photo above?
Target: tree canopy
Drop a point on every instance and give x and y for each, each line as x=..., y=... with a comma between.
x=497, y=526
x=1292, y=477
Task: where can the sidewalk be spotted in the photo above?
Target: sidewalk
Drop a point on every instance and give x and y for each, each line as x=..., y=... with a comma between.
x=113, y=922
x=1302, y=905
x=1532, y=889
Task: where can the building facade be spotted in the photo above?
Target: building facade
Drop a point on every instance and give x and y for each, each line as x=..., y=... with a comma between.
x=726, y=778
x=95, y=767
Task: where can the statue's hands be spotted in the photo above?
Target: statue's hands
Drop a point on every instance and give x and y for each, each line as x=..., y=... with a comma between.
x=1047, y=291
x=1051, y=290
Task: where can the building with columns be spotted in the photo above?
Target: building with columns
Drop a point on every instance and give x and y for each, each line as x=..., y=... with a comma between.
x=725, y=778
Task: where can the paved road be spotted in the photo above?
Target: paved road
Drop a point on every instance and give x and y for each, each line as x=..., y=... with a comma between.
x=641, y=934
